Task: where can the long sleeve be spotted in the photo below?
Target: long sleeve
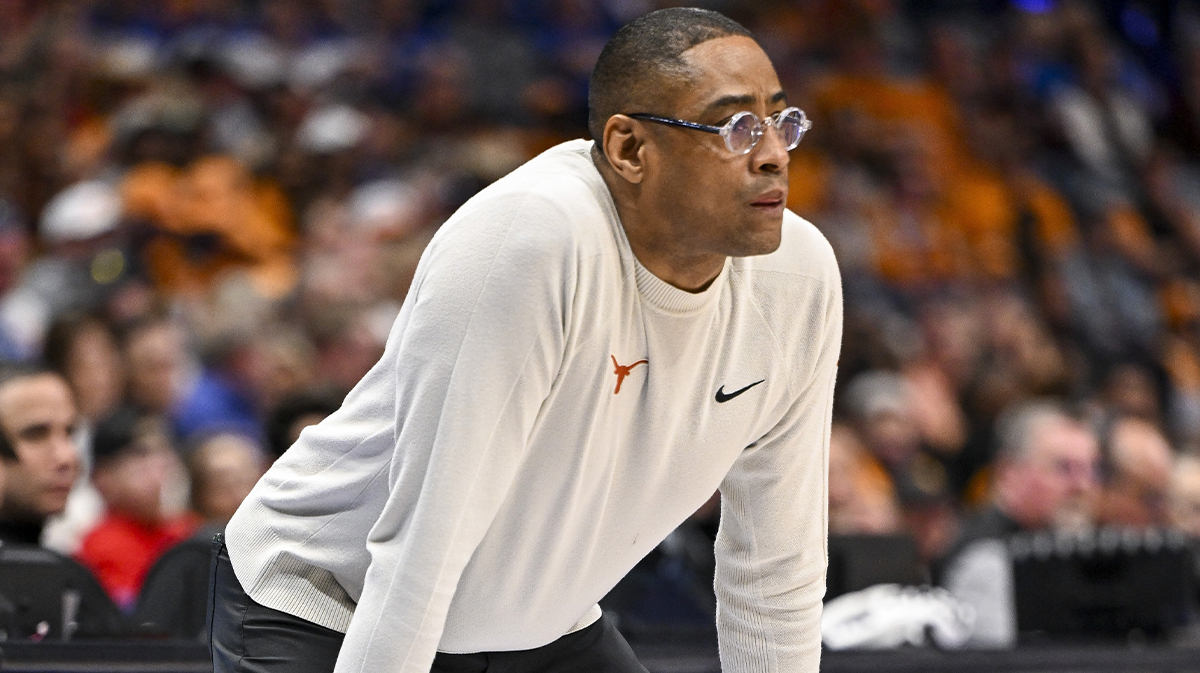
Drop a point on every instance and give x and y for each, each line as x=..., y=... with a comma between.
x=487, y=482
x=772, y=544
x=475, y=351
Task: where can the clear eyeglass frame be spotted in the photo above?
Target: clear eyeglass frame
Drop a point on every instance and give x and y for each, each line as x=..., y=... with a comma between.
x=744, y=130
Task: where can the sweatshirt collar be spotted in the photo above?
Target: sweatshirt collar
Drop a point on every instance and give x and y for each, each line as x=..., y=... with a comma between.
x=670, y=298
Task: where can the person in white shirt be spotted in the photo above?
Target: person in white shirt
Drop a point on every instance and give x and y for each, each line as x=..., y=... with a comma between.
x=591, y=346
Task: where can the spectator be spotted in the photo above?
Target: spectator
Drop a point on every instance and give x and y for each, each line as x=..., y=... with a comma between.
x=861, y=497
x=39, y=464
x=83, y=348
x=269, y=364
x=134, y=466
x=881, y=402
x=173, y=601
x=38, y=412
x=1138, y=475
x=166, y=379
x=1045, y=478
x=1185, y=497
x=223, y=468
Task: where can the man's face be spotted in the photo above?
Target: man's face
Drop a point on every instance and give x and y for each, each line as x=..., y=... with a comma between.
x=38, y=414
x=713, y=201
x=153, y=357
x=1057, y=478
x=133, y=481
x=230, y=466
x=1137, y=493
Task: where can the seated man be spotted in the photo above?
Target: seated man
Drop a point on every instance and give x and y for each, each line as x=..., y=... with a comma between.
x=38, y=417
x=134, y=463
x=37, y=422
x=1185, y=497
x=174, y=599
x=1046, y=467
x=1137, y=480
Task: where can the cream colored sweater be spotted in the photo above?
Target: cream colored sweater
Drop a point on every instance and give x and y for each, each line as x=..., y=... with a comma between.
x=545, y=413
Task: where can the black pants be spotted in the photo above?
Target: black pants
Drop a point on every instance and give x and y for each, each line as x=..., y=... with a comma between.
x=245, y=637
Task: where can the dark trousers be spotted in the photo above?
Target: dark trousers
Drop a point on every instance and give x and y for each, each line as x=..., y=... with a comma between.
x=245, y=637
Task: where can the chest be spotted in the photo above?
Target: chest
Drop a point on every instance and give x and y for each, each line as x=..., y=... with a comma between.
x=682, y=387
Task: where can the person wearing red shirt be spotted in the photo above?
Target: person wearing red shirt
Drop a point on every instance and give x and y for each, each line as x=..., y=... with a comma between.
x=134, y=464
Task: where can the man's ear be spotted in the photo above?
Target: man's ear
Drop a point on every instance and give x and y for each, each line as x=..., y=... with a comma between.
x=624, y=147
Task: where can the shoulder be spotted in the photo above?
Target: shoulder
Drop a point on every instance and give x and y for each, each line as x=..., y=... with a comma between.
x=558, y=191
x=554, y=203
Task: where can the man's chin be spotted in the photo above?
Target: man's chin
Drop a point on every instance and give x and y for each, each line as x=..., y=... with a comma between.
x=764, y=242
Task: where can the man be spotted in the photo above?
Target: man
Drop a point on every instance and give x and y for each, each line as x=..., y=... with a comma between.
x=38, y=417
x=37, y=425
x=1137, y=483
x=1185, y=497
x=135, y=466
x=591, y=346
x=174, y=598
x=164, y=378
x=1046, y=468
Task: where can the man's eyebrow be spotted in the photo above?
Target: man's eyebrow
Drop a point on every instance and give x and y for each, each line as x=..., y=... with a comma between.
x=743, y=100
x=34, y=430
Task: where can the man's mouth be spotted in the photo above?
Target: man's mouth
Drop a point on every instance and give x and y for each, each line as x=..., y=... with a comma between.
x=769, y=200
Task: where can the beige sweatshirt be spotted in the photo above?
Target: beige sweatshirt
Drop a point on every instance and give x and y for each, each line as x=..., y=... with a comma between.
x=545, y=413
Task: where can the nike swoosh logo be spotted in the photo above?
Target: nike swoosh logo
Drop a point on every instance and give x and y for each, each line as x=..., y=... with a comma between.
x=722, y=396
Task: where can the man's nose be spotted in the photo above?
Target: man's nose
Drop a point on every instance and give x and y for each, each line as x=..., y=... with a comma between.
x=771, y=154
x=65, y=455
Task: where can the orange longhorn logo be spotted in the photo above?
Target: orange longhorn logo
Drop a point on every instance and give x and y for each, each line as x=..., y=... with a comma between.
x=622, y=372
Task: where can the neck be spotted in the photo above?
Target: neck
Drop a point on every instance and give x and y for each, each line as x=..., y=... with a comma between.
x=656, y=246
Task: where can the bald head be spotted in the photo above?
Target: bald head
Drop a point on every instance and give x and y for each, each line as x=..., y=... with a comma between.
x=1140, y=451
x=1135, y=492
x=643, y=62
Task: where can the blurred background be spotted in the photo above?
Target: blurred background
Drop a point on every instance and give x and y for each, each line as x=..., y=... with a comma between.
x=210, y=212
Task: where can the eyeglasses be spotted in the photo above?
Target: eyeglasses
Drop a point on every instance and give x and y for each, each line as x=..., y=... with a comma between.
x=744, y=129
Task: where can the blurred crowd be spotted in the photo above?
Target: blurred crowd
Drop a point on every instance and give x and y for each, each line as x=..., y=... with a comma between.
x=210, y=212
